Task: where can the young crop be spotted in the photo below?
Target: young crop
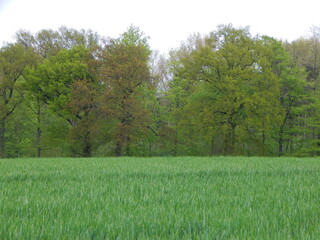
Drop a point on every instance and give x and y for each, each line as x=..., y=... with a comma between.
x=160, y=198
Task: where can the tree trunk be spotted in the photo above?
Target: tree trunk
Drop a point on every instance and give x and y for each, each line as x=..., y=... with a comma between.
x=87, y=145
x=280, y=141
x=118, y=150
x=233, y=139
x=87, y=150
x=39, y=132
x=281, y=130
x=230, y=139
x=128, y=150
x=2, y=138
x=175, y=142
x=212, y=146
x=263, y=147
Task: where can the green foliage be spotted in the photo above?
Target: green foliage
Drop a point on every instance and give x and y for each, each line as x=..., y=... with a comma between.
x=134, y=37
x=225, y=93
x=125, y=74
x=304, y=52
x=14, y=58
x=20, y=133
x=53, y=78
x=66, y=85
x=238, y=89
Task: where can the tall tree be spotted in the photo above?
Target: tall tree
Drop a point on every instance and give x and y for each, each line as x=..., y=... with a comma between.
x=47, y=44
x=306, y=53
x=229, y=89
x=13, y=60
x=125, y=74
x=66, y=84
x=292, y=83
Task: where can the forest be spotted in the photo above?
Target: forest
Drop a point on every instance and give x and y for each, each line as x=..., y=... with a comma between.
x=74, y=93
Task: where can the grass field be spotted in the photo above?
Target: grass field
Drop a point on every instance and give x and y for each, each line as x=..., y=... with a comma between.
x=160, y=198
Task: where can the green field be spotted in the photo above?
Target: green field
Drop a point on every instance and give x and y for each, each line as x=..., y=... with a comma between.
x=160, y=198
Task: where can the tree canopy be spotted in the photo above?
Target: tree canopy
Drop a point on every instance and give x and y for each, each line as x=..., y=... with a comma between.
x=67, y=92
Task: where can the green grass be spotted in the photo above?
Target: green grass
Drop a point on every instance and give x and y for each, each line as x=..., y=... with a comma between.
x=160, y=198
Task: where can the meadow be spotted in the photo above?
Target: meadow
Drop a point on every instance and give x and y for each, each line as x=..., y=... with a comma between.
x=160, y=198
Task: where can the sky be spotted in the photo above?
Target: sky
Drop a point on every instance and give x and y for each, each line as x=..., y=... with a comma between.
x=166, y=22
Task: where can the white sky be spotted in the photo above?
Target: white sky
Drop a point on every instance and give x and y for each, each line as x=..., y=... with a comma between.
x=166, y=22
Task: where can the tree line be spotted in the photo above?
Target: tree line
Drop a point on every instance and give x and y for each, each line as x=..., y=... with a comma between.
x=75, y=93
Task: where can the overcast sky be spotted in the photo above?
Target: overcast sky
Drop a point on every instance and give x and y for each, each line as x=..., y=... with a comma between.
x=166, y=22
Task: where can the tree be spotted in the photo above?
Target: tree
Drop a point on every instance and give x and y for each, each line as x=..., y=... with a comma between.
x=125, y=74
x=291, y=95
x=306, y=53
x=13, y=61
x=228, y=91
x=58, y=81
x=48, y=42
